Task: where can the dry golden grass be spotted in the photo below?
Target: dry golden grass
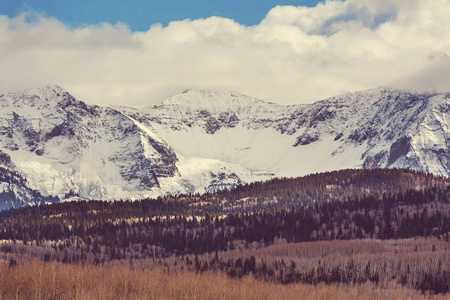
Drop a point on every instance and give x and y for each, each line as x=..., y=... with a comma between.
x=317, y=249
x=37, y=280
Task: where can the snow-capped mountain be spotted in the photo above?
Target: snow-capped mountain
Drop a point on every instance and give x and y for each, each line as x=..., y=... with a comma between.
x=202, y=140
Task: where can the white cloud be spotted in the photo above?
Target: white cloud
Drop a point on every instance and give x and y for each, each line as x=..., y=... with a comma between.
x=296, y=54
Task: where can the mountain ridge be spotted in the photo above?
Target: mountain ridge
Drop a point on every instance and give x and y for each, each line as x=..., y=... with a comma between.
x=202, y=138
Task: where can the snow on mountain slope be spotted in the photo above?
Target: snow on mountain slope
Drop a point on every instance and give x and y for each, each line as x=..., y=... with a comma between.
x=202, y=140
x=64, y=146
x=14, y=188
x=385, y=127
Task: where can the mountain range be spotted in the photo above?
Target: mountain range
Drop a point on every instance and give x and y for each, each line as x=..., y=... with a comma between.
x=54, y=147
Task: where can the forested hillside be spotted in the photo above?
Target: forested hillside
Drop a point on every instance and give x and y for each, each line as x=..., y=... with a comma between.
x=276, y=193
x=338, y=206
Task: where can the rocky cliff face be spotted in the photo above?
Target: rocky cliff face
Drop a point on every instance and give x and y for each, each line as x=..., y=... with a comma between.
x=64, y=146
x=205, y=140
x=380, y=128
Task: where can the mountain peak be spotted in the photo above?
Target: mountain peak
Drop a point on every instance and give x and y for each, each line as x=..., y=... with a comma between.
x=48, y=90
x=216, y=101
x=46, y=96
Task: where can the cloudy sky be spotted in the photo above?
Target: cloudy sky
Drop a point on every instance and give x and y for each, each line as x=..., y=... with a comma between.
x=296, y=52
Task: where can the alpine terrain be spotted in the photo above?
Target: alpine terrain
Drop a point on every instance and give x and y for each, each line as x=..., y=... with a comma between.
x=55, y=147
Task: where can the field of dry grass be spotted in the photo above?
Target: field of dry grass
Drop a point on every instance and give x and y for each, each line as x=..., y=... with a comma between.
x=38, y=280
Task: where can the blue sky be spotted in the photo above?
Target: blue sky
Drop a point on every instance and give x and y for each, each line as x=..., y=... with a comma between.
x=140, y=14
